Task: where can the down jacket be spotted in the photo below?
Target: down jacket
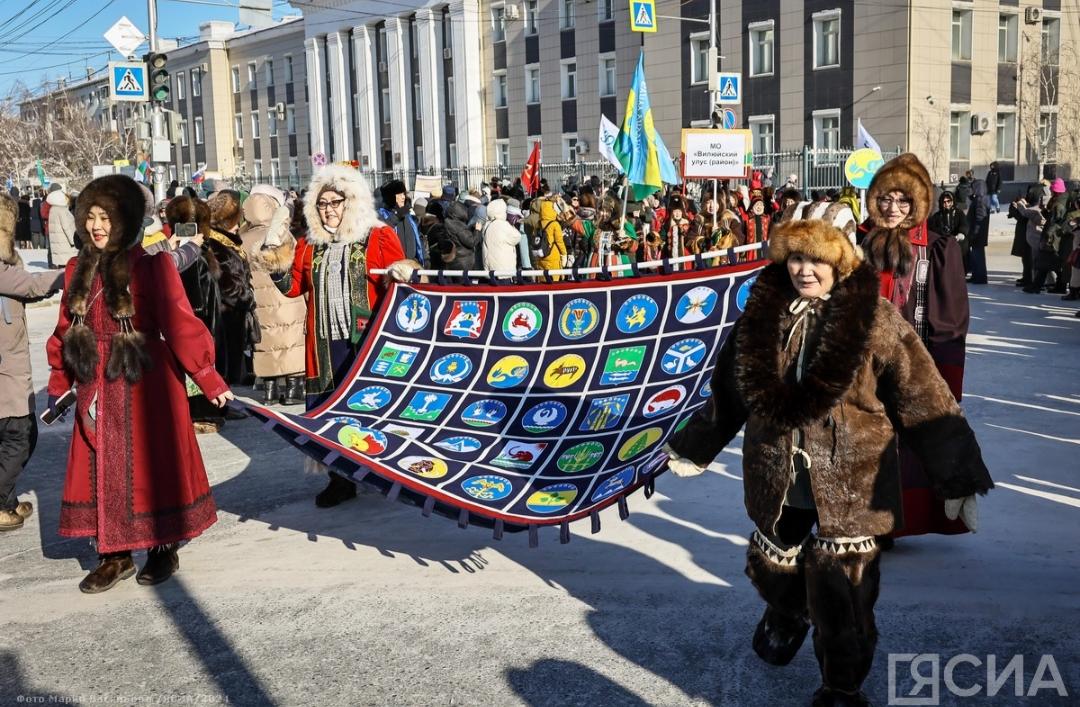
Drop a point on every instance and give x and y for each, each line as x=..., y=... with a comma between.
x=62, y=246
x=280, y=352
x=500, y=239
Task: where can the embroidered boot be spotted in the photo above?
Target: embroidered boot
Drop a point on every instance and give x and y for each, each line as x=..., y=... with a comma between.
x=161, y=562
x=112, y=568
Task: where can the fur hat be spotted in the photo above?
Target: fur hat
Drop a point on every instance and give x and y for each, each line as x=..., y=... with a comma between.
x=390, y=190
x=9, y=215
x=225, y=211
x=122, y=199
x=267, y=190
x=817, y=240
x=904, y=173
x=184, y=209
x=359, y=215
x=676, y=201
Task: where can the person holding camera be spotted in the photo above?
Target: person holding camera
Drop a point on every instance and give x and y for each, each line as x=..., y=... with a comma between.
x=125, y=337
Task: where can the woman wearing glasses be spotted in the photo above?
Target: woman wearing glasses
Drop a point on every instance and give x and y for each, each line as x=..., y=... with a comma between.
x=922, y=274
x=332, y=266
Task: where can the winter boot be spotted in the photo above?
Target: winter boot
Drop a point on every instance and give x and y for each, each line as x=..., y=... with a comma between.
x=271, y=391
x=337, y=491
x=778, y=638
x=1074, y=294
x=292, y=393
x=112, y=568
x=161, y=562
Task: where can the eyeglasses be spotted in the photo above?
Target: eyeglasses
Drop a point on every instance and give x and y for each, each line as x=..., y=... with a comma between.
x=334, y=204
x=887, y=202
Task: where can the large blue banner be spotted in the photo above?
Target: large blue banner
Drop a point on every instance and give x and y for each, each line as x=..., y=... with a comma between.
x=524, y=405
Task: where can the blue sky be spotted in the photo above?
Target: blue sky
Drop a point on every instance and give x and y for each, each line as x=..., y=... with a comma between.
x=47, y=39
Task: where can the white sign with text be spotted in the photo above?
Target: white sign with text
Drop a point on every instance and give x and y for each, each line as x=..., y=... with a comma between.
x=716, y=154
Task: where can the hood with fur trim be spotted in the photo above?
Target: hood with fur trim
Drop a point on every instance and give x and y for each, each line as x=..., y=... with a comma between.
x=123, y=200
x=359, y=216
x=496, y=210
x=907, y=174
x=9, y=214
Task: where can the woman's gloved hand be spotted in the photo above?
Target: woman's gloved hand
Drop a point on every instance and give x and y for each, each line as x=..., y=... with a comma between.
x=681, y=466
x=965, y=509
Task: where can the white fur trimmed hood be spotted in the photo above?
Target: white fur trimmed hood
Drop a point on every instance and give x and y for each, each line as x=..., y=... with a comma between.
x=359, y=217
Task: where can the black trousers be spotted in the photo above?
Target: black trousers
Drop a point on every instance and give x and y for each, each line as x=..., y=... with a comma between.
x=835, y=590
x=18, y=437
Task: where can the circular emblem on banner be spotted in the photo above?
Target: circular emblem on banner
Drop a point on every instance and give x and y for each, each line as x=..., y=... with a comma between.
x=579, y=317
x=508, y=372
x=667, y=399
x=639, y=443
x=425, y=467
x=615, y=483
x=696, y=305
x=489, y=487
x=460, y=444
x=580, y=457
x=522, y=322
x=347, y=421
x=706, y=389
x=636, y=314
x=450, y=369
x=484, y=413
x=564, y=371
x=744, y=293
x=362, y=439
x=545, y=417
x=683, y=356
x=552, y=498
x=861, y=166
x=369, y=399
x=413, y=314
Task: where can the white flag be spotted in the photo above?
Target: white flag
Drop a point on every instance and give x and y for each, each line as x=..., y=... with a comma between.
x=866, y=140
x=608, y=134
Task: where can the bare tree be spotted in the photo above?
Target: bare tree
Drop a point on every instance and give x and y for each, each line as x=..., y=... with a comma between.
x=1048, y=98
x=931, y=126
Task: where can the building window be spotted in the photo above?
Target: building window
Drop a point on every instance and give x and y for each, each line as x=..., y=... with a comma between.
x=254, y=126
x=500, y=89
x=235, y=76
x=827, y=130
x=451, y=96
x=180, y=87
x=568, y=70
x=290, y=120
x=827, y=40
x=238, y=128
x=183, y=134
x=498, y=23
x=959, y=135
x=257, y=173
x=294, y=170
x=416, y=99
x=1051, y=40
x=1008, y=31
x=763, y=131
x=532, y=84
x=268, y=66
x=386, y=104
x=502, y=153
x=288, y=69
x=196, y=83
x=1048, y=135
x=172, y=173
x=607, y=75
x=606, y=10
x=185, y=176
x=569, y=148
x=275, y=172
x=253, y=77
x=198, y=131
x=452, y=147
x=699, y=58
x=271, y=118
x=1006, y=135
x=761, y=49
x=961, y=35
x=566, y=14
x=530, y=17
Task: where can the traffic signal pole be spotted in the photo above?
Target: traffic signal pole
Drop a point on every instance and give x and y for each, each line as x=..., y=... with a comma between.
x=157, y=118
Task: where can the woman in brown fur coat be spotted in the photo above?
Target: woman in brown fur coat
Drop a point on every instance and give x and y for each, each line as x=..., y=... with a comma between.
x=824, y=373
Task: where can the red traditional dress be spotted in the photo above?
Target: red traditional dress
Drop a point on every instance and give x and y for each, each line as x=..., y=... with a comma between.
x=135, y=476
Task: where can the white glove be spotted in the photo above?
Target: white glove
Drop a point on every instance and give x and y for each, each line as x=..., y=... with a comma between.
x=965, y=509
x=568, y=261
x=679, y=466
x=959, y=237
x=401, y=271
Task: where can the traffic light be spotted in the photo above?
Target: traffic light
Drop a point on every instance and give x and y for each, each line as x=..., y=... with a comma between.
x=158, y=76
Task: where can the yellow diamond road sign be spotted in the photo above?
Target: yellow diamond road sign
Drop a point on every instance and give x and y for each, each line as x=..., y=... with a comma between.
x=643, y=15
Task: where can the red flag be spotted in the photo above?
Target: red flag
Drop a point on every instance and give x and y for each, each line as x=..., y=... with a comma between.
x=530, y=176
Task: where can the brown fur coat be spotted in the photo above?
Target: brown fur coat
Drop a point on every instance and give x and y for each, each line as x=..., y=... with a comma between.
x=867, y=375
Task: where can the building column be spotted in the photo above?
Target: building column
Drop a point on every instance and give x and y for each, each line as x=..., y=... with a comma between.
x=429, y=54
x=367, y=95
x=316, y=79
x=341, y=99
x=469, y=82
x=401, y=120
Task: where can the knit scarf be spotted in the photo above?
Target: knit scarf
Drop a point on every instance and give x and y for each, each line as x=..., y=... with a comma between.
x=339, y=281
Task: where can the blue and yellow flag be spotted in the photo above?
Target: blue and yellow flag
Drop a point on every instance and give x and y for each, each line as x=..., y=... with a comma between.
x=638, y=147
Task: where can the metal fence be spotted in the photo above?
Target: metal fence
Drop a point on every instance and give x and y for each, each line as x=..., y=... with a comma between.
x=816, y=169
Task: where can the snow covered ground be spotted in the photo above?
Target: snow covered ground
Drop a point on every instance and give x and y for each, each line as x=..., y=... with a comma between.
x=372, y=604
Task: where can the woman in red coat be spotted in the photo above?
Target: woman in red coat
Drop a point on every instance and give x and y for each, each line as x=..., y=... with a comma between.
x=125, y=337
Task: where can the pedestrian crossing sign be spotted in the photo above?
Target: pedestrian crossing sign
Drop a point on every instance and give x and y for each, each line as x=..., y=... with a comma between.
x=729, y=86
x=127, y=81
x=643, y=15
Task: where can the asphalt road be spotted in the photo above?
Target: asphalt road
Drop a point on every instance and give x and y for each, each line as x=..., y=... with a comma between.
x=371, y=604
